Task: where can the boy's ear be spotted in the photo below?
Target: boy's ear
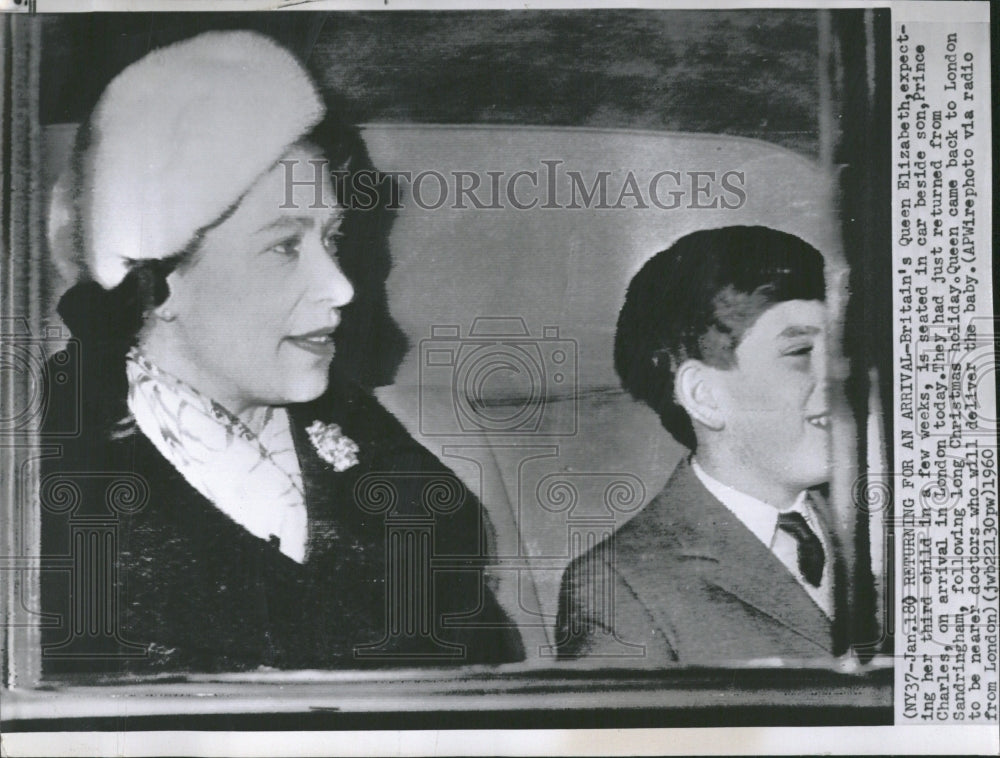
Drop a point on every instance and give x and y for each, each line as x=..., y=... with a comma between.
x=695, y=390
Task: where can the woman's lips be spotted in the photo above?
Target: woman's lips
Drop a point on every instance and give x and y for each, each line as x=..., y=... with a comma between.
x=318, y=342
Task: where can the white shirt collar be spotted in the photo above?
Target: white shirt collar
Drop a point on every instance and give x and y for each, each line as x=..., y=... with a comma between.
x=759, y=517
x=762, y=519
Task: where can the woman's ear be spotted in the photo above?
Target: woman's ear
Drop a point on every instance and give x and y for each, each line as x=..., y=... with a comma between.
x=698, y=395
x=166, y=311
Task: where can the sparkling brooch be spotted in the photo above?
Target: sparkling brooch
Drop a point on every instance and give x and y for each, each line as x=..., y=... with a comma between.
x=332, y=445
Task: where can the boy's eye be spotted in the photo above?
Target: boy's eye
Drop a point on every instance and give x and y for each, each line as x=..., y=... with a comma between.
x=799, y=351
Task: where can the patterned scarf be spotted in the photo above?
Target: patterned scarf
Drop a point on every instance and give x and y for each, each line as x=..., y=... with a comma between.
x=253, y=478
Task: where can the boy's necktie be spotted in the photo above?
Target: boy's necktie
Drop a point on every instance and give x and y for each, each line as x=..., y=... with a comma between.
x=811, y=557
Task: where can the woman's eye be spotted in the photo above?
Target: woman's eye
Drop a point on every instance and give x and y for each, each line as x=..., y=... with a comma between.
x=288, y=248
x=332, y=241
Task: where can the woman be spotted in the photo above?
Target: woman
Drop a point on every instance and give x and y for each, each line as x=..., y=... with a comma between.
x=232, y=501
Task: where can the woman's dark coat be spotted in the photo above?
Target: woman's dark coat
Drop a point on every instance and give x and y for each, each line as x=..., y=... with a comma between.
x=141, y=573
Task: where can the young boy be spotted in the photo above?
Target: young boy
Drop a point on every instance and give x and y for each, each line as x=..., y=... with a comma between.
x=723, y=335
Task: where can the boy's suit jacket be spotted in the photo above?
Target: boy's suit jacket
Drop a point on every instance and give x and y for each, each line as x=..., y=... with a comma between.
x=685, y=581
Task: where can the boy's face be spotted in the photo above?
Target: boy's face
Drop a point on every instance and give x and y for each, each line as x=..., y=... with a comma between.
x=776, y=417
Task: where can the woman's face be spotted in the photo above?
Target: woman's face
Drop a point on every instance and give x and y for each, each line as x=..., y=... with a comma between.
x=250, y=320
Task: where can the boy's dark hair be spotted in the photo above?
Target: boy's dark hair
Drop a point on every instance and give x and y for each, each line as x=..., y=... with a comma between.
x=696, y=300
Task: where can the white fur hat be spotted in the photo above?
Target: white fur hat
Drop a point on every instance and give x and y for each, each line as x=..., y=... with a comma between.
x=175, y=139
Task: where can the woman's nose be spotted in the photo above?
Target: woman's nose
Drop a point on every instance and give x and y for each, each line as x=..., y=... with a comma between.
x=327, y=280
x=341, y=289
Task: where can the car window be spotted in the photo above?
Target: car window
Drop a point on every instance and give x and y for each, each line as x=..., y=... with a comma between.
x=512, y=246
